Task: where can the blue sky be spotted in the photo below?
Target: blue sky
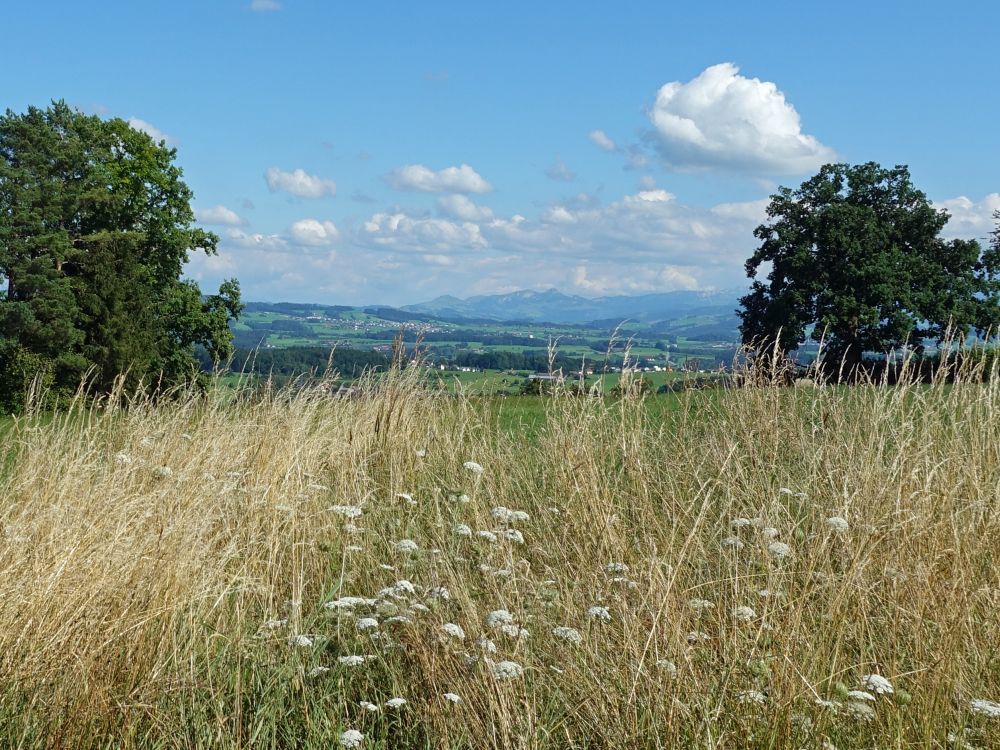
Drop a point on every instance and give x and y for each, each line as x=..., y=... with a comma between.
x=391, y=152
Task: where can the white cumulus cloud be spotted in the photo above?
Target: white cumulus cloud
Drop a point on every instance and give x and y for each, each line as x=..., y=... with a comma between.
x=461, y=179
x=299, y=183
x=560, y=171
x=461, y=207
x=151, y=130
x=601, y=139
x=313, y=232
x=721, y=119
x=970, y=219
x=398, y=231
x=219, y=215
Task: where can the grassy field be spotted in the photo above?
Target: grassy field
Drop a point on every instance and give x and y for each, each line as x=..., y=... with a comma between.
x=764, y=567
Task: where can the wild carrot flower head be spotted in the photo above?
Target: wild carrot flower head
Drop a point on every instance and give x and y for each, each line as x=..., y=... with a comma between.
x=473, y=467
x=348, y=511
x=462, y=529
x=396, y=702
x=567, y=634
x=616, y=569
x=452, y=697
x=499, y=617
x=700, y=605
x=983, y=707
x=877, y=684
x=744, y=613
x=507, y=670
x=368, y=706
x=598, y=613
x=406, y=546
x=367, y=623
x=351, y=739
x=780, y=550
x=300, y=641
x=453, y=630
x=351, y=660
x=838, y=524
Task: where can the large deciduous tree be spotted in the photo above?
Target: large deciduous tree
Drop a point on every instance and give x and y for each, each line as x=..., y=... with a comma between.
x=95, y=227
x=855, y=257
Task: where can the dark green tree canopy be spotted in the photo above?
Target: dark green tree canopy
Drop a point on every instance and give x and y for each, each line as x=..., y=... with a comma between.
x=95, y=227
x=855, y=254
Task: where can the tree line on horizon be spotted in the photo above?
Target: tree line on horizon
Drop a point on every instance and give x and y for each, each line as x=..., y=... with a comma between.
x=96, y=225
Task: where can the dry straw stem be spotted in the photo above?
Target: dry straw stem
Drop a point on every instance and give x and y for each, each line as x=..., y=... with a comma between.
x=166, y=566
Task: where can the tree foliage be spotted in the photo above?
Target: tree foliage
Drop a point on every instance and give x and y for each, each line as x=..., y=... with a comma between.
x=855, y=255
x=95, y=228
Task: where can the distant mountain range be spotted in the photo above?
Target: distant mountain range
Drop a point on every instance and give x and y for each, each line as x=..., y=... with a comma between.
x=552, y=306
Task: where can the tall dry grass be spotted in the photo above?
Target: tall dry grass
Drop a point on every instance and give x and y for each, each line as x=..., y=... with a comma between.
x=165, y=569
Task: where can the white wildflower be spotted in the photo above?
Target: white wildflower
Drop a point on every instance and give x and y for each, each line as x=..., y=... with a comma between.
x=697, y=636
x=598, y=613
x=352, y=548
x=347, y=511
x=667, y=666
x=503, y=572
x=519, y=516
x=453, y=630
x=366, y=623
x=473, y=467
x=396, y=702
x=300, y=641
x=318, y=671
x=769, y=532
x=567, y=634
x=860, y=695
x=514, y=631
x=163, y=472
x=352, y=738
x=368, y=706
x=514, y=535
x=501, y=514
x=123, y=458
x=486, y=645
x=350, y=528
x=398, y=619
x=828, y=704
x=507, y=670
x=779, y=550
x=733, y=541
x=785, y=491
x=407, y=497
x=499, y=617
x=752, y=696
x=700, y=605
x=489, y=536
x=418, y=607
x=406, y=546
x=462, y=529
x=274, y=624
x=463, y=498
x=349, y=603
x=838, y=524
x=860, y=710
x=351, y=660
x=744, y=613
x=452, y=697
x=740, y=523
x=439, y=592
x=877, y=684
x=983, y=707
